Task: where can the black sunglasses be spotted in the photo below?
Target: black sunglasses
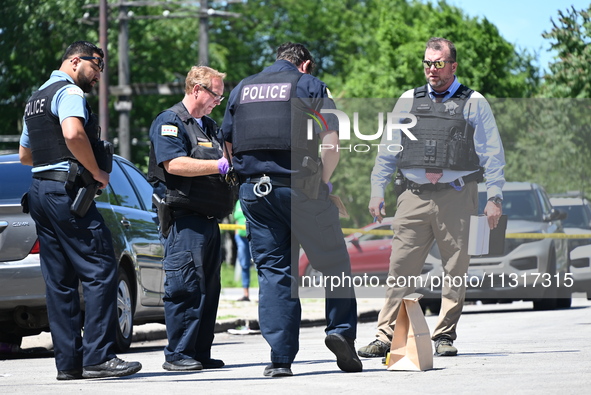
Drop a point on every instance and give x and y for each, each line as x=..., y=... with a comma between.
x=439, y=64
x=217, y=97
x=101, y=62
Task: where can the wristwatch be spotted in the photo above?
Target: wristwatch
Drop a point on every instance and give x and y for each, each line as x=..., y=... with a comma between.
x=496, y=200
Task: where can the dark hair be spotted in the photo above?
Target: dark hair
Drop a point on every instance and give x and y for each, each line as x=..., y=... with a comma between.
x=437, y=43
x=296, y=54
x=83, y=48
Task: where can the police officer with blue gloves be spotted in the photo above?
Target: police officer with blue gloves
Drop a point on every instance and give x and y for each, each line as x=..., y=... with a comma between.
x=187, y=159
x=284, y=194
x=60, y=140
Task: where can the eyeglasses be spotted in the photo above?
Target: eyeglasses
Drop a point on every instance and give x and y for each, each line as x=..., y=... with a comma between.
x=439, y=64
x=101, y=63
x=217, y=97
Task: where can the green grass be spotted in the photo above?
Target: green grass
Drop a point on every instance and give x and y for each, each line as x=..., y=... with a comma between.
x=228, y=277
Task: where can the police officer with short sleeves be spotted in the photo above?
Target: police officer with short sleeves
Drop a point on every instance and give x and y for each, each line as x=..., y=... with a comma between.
x=284, y=194
x=187, y=158
x=58, y=138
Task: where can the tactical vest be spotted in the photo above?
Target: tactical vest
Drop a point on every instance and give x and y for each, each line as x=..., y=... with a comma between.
x=269, y=116
x=445, y=140
x=206, y=195
x=48, y=145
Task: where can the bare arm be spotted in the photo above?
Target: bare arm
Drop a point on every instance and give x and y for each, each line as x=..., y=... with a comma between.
x=330, y=156
x=185, y=166
x=25, y=155
x=79, y=145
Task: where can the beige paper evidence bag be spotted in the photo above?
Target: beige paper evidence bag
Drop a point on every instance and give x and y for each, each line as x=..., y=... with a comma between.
x=411, y=343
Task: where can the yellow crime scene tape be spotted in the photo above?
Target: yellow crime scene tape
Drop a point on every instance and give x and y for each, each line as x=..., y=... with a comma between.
x=382, y=232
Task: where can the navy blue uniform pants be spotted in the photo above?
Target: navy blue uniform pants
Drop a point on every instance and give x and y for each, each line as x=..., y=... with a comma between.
x=276, y=225
x=75, y=249
x=192, y=261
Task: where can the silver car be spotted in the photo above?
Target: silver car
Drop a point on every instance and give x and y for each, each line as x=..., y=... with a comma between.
x=127, y=208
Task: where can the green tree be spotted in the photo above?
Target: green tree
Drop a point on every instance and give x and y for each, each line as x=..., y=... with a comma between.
x=560, y=130
x=392, y=61
x=571, y=37
x=33, y=36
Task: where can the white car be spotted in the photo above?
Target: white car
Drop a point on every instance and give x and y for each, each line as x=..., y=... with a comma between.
x=578, y=221
x=580, y=266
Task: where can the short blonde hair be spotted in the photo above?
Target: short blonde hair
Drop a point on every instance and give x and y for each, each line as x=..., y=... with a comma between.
x=201, y=75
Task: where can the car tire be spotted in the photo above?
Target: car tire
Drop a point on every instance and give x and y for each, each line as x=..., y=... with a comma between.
x=125, y=309
x=564, y=303
x=549, y=301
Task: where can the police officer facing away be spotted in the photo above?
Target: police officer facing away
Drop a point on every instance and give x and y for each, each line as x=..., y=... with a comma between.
x=187, y=157
x=457, y=143
x=285, y=201
x=58, y=138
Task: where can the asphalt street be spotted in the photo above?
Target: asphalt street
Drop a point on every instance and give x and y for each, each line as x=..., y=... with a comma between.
x=506, y=348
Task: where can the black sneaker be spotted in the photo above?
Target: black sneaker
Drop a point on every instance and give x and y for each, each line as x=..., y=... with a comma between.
x=212, y=363
x=75, y=374
x=444, y=347
x=278, y=370
x=182, y=365
x=112, y=368
x=375, y=349
x=344, y=349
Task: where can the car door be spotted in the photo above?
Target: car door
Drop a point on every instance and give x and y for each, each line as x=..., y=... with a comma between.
x=132, y=206
x=370, y=253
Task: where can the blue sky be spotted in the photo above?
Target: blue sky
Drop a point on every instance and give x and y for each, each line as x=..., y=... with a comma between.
x=522, y=22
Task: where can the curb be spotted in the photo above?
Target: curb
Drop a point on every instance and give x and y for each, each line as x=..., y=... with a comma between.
x=224, y=325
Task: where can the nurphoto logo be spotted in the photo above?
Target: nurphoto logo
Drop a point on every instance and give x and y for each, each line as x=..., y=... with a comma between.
x=344, y=129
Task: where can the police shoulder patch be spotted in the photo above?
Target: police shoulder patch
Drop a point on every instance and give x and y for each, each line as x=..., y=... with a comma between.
x=75, y=90
x=169, y=130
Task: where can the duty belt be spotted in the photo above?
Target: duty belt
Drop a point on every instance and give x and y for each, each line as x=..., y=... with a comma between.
x=181, y=212
x=456, y=184
x=52, y=175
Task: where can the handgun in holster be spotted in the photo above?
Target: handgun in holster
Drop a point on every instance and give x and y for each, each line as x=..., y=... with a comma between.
x=399, y=183
x=164, y=214
x=103, y=153
x=85, y=195
x=311, y=183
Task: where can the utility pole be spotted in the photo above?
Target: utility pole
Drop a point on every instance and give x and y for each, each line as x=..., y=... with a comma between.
x=104, y=84
x=123, y=105
x=203, y=34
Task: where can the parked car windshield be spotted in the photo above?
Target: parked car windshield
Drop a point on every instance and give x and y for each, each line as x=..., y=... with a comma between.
x=577, y=217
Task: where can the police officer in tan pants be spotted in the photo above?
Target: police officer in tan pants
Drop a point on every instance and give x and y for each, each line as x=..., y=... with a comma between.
x=453, y=145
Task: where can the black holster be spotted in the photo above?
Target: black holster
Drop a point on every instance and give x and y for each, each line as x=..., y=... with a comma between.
x=400, y=183
x=164, y=214
x=310, y=185
x=85, y=195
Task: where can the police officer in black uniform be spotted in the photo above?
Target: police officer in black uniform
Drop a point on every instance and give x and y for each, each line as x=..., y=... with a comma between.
x=61, y=140
x=187, y=158
x=284, y=195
